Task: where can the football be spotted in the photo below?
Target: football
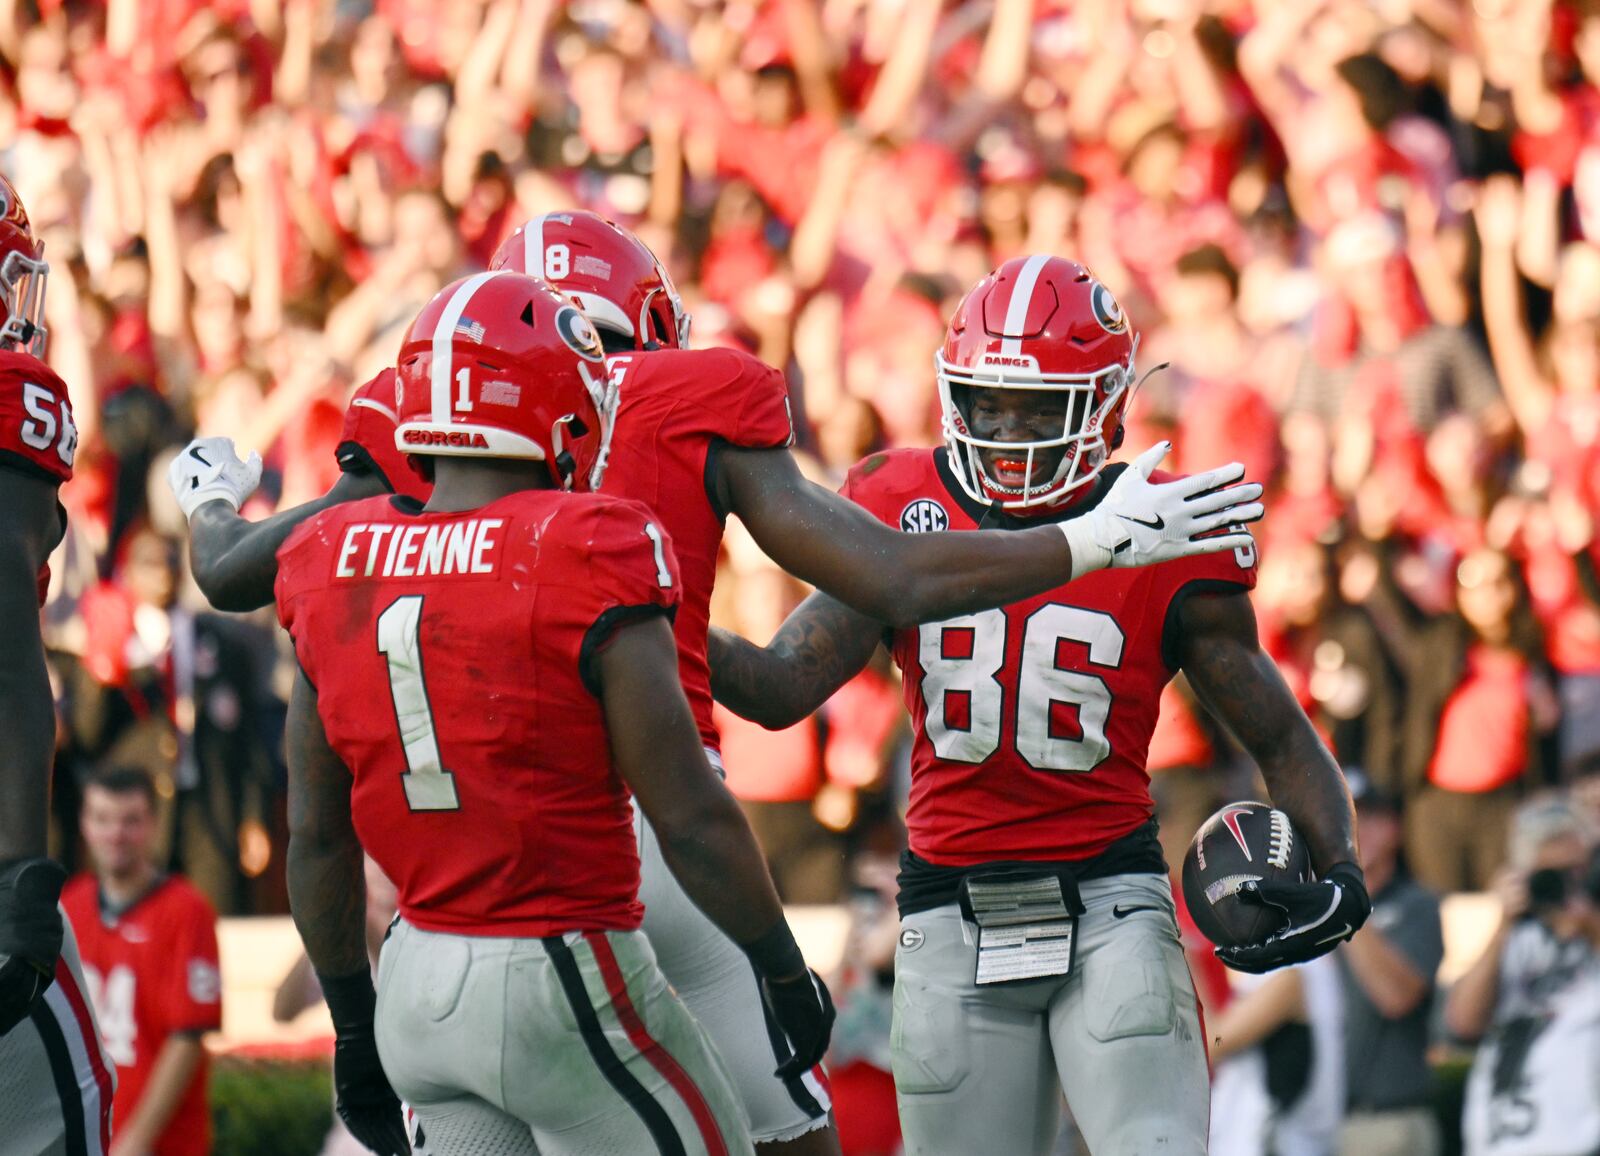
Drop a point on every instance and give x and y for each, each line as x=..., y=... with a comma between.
x=1242, y=841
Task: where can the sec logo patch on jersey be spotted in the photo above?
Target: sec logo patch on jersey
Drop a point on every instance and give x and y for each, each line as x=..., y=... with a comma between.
x=924, y=516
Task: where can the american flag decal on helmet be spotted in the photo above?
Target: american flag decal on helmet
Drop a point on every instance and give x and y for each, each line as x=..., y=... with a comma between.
x=469, y=329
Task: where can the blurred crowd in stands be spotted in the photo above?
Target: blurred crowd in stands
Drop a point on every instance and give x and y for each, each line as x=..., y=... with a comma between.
x=1364, y=236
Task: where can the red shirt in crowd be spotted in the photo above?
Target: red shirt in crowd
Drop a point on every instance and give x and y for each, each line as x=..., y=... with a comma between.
x=153, y=973
x=1571, y=622
x=1483, y=732
x=769, y=766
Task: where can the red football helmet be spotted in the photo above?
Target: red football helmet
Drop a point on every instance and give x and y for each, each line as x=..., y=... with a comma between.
x=1037, y=323
x=500, y=365
x=22, y=277
x=614, y=278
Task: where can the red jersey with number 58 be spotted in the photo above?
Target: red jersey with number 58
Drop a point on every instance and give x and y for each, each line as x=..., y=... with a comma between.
x=37, y=434
x=454, y=658
x=1032, y=721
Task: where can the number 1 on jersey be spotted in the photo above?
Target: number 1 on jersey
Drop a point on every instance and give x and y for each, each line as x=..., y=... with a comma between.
x=429, y=787
x=663, y=572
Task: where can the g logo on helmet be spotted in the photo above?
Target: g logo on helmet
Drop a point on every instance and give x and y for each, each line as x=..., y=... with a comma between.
x=1106, y=310
x=579, y=334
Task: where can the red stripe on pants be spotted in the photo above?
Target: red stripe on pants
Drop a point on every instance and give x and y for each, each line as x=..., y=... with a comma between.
x=659, y=1058
x=91, y=1046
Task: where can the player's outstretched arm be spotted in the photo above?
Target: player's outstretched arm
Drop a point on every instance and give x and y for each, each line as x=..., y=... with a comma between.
x=704, y=837
x=821, y=646
x=234, y=560
x=328, y=899
x=904, y=579
x=1221, y=653
x=30, y=883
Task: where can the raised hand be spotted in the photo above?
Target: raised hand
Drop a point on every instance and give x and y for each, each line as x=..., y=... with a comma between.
x=1140, y=522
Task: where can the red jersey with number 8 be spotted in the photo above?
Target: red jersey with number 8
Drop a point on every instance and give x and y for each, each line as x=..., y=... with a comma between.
x=454, y=657
x=1032, y=721
x=676, y=407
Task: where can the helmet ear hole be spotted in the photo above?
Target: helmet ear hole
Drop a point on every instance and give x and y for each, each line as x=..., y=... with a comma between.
x=1116, y=438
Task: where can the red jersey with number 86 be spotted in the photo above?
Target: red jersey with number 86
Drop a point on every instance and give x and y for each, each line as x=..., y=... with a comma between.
x=1032, y=721
x=454, y=656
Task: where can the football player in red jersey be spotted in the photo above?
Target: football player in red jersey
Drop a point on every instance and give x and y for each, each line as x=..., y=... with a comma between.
x=704, y=433
x=57, y=1083
x=1039, y=948
x=235, y=560
x=518, y=626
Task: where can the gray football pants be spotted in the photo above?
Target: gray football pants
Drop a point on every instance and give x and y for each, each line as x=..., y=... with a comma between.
x=570, y=1045
x=977, y=1069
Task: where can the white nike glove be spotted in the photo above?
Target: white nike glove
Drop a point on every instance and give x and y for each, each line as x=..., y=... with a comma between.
x=209, y=470
x=1139, y=523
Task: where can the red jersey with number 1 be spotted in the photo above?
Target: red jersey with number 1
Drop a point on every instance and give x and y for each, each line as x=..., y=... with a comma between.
x=37, y=434
x=676, y=408
x=1032, y=722
x=454, y=656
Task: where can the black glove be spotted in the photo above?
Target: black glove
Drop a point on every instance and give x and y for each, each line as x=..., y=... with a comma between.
x=366, y=1102
x=804, y=1010
x=30, y=934
x=796, y=997
x=1320, y=915
x=353, y=458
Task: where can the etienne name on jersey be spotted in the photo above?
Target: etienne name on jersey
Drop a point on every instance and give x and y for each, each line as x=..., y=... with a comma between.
x=420, y=551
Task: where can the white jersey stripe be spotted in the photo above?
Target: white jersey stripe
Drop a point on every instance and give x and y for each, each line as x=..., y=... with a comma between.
x=819, y=1091
x=443, y=336
x=1021, y=299
x=368, y=403
x=533, y=247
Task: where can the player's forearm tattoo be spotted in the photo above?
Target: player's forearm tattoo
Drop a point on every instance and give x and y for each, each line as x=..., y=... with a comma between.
x=822, y=646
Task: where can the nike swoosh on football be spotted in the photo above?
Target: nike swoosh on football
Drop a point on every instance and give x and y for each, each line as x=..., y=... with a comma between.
x=1160, y=523
x=1120, y=912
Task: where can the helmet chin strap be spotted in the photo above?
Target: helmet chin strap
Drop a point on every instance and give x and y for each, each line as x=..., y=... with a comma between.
x=566, y=466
